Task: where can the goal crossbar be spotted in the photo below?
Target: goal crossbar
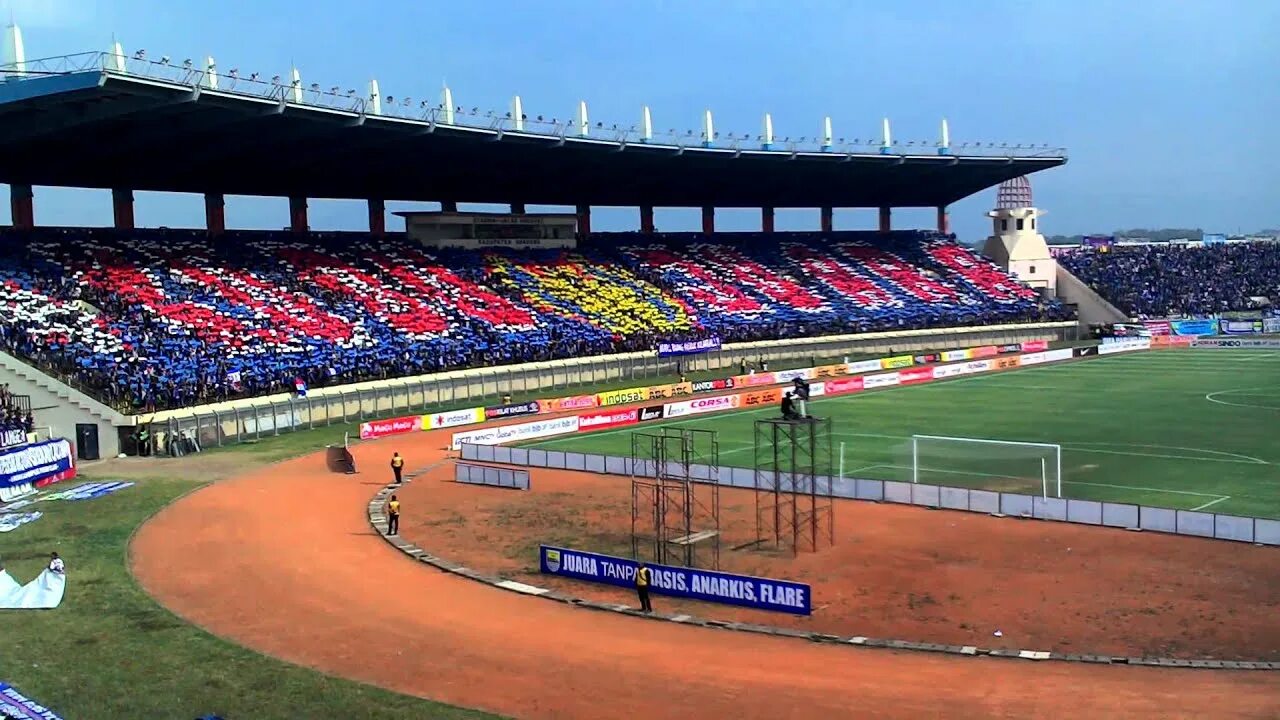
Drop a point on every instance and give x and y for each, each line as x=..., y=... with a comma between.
x=1050, y=449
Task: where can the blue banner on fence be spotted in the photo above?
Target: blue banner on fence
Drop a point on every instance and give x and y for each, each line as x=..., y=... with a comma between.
x=1240, y=327
x=689, y=347
x=14, y=704
x=37, y=465
x=1194, y=327
x=708, y=585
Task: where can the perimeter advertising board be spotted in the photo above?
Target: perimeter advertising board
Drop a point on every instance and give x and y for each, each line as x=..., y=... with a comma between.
x=709, y=586
x=36, y=465
x=1234, y=343
x=516, y=433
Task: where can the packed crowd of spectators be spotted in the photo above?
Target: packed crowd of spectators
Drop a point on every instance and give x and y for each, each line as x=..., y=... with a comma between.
x=162, y=319
x=15, y=417
x=1160, y=281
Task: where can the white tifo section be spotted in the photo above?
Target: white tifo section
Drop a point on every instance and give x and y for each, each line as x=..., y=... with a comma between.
x=979, y=456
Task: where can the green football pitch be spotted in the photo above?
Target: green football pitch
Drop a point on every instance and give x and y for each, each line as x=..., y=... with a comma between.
x=1187, y=429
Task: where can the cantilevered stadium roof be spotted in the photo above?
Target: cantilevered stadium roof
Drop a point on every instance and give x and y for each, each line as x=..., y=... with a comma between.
x=92, y=121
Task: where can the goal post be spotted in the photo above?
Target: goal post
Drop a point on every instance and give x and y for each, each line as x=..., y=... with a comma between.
x=1003, y=465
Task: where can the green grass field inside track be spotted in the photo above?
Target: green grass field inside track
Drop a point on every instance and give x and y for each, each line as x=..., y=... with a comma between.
x=1181, y=429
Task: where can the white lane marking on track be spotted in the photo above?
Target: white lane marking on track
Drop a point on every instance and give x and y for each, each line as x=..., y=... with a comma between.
x=1211, y=397
x=1211, y=503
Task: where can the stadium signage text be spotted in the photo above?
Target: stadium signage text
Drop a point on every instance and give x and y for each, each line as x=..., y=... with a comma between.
x=1219, y=343
x=577, y=402
x=602, y=420
x=654, y=412
x=862, y=366
x=702, y=405
x=1118, y=346
x=710, y=385
x=39, y=464
x=501, y=411
x=10, y=438
x=706, y=585
x=690, y=347
x=881, y=380
x=454, y=418
x=394, y=426
x=900, y=361
x=516, y=433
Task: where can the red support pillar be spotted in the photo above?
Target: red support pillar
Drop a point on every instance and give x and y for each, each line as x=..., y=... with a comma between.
x=298, y=214
x=646, y=219
x=885, y=219
x=215, y=213
x=517, y=209
x=448, y=206
x=22, y=203
x=708, y=220
x=828, y=220
x=122, y=208
x=377, y=218
x=584, y=220
x=944, y=221
x=766, y=219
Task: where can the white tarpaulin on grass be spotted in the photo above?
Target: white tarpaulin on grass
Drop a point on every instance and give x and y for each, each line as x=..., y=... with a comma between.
x=43, y=593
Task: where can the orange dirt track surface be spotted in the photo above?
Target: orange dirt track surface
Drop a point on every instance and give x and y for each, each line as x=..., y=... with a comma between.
x=282, y=560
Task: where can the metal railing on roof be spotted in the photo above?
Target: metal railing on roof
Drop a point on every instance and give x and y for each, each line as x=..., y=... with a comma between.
x=286, y=91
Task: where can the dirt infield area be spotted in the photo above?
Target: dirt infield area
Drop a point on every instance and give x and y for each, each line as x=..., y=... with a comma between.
x=900, y=572
x=281, y=559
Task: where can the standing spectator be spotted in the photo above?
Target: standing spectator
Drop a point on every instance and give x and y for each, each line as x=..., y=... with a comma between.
x=397, y=466
x=393, y=516
x=643, y=579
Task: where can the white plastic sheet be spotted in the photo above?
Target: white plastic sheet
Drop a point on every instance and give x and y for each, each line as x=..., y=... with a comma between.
x=43, y=593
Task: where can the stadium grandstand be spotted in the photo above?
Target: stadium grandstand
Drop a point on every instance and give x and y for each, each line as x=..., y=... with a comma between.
x=140, y=320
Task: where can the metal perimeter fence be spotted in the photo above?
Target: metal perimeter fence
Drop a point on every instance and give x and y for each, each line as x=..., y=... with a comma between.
x=1261, y=531
x=208, y=427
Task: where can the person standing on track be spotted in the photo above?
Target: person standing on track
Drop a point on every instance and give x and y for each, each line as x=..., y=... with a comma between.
x=643, y=578
x=393, y=516
x=397, y=466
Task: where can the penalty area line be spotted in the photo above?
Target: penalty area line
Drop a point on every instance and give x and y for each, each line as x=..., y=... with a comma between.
x=1211, y=503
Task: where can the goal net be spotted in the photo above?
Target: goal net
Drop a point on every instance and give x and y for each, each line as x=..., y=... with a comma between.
x=1000, y=465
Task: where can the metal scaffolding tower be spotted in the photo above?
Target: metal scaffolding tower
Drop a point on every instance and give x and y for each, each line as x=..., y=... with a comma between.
x=675, y=497
x=793, y=480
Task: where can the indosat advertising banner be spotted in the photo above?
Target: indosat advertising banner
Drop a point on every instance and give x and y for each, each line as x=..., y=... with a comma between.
x=707, y=585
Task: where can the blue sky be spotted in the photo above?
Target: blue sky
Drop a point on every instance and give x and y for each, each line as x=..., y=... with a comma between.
x=1168, y=107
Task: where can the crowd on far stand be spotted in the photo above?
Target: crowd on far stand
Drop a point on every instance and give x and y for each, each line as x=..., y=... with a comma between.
x=14, y=418
x=1159, y=281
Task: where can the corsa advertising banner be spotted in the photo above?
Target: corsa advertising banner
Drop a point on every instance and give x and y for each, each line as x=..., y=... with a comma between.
x=576, y=402
x=901, y=361
x=706, y=585
x=516, y=433
x=454, y=418
x=1035, y=345
x=607, y=419
x=701, y=405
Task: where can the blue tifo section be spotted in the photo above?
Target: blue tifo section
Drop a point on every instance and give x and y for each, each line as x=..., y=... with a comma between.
x=14, y=704
x=707, y=585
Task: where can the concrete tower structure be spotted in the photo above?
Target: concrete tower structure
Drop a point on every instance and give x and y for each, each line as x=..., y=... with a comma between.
x=1015, y=242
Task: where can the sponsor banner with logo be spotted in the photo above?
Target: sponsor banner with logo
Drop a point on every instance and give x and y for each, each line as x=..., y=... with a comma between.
x=1240, y=327
x=946, y=371
x=607, y=419
x=1035, y=345
x=913, y=377
x=1034, y=358
x=1271, y=325
x=1125, y=345
x=760, y=397
x=1228, y=343
x=1085, y=351
x=755, y=379
x=392, y=426
x=1158, y=327
x=881, y=380
x=841, y=386
x=12, y=438
x=14, y=704
x=978, y=366
x=1006, y=363
x=926, y=359
x=622, y=397
x=1194, y=327
x=576, y=402
x=786, y=376
x=712, y=385
x=861, y=367
x=690, y=347
x=817, y=389
x=653, y=412
x=829, y=371
x=37, y=465
x=706, y=585
x=701, y=405
x=953, y=355
x=984, y=351
x=516, y=433
x=1006, y=349
x=515, y=410
x=899, y=361
x=454, y=418
x=1172, y=340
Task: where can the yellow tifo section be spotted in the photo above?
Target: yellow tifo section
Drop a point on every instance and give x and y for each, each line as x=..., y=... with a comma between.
x=608, y=296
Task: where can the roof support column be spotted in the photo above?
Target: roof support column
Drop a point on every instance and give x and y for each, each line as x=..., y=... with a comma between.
x=377, y=217
x=766, y=219
x=584, y=220
x=22, y=203
x=122, y=208
x=646, y=219
x=944, y=220
x=215, y=213
x=708, y=220
x=298, y=214
x=886, y=223
x=517, y=209
x=448, y=206
x=828, y=220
